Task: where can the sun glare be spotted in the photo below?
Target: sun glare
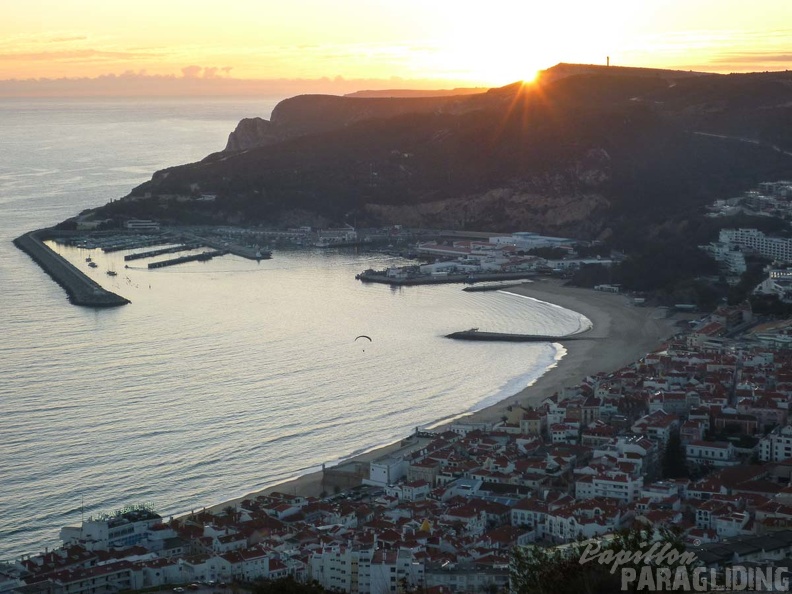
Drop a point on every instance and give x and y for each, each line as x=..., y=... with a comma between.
x=531, y=77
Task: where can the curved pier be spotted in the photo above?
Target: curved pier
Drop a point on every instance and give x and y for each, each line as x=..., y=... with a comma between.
x=480, y=288
x=80, y=289
x=474, y=334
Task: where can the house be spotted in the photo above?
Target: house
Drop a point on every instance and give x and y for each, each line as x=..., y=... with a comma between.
x=532, y=423
x=711, y=453
x=585, y=519
x=609, y=485
x=776, y=446
x=657, y=426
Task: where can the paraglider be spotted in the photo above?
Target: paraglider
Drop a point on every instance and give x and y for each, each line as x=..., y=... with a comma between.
x=364, y=336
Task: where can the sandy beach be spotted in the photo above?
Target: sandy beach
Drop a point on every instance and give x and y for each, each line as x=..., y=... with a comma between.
x=621, y=333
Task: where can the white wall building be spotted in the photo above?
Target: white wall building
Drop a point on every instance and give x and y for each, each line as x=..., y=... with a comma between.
x=753, y=240
x=711, y=453
x=610, y=485
x=387, y=470
x=776, y=446
x=124, y=528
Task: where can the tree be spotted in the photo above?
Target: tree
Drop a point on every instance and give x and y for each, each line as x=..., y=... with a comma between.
x=590, y=567
x=675, y=458
x=288, y=585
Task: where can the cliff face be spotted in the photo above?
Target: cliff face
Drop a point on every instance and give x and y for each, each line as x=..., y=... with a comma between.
x=250, y=133
x=313, y=114
x=568, y=155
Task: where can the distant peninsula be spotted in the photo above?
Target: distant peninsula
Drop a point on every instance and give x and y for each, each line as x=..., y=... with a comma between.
x=584, y=151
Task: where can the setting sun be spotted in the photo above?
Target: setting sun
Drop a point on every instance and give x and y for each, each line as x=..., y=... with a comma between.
x=429, y=44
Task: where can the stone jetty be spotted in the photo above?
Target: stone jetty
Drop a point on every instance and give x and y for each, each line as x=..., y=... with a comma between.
x=474, y=334
x=80, y=289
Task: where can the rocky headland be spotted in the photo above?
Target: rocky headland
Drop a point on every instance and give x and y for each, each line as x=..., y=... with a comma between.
x=582, y=151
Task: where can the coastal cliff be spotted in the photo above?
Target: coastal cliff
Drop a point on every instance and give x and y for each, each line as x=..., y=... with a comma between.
x=576, y=153
x=314, y=114
x=250, y=133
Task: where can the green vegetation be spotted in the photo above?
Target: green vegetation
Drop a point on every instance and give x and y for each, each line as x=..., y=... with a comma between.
x=675, y=458
x=624, y=145
x=287, y=585
x=665, y=261
x=537, y=570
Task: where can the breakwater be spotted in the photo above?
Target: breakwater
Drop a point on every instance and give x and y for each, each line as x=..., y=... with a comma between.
x=499, y=287
x=80, y=289
x=474, y=334
x=430, y=279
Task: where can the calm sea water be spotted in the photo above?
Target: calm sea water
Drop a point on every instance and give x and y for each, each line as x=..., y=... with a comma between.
x=220, y=377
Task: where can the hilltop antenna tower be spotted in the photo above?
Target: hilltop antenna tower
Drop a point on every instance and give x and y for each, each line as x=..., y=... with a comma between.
x=607, y=63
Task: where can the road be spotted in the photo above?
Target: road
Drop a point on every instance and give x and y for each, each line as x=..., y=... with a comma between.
x=759, y=143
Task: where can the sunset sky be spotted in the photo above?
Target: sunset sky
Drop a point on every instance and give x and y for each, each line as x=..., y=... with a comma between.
x=439, y=43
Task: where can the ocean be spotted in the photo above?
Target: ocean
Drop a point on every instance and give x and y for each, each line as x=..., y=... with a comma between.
x=220, y=377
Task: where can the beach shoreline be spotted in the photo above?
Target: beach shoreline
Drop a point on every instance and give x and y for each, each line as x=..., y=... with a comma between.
x=621, y=333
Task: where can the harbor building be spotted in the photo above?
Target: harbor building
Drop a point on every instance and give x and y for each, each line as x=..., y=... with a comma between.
x=142, y=225
x=527, y=240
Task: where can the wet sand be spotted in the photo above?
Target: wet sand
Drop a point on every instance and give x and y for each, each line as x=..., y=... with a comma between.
x=621, y=333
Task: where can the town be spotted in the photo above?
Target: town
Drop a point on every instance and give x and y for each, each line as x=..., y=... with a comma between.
x=694, y=435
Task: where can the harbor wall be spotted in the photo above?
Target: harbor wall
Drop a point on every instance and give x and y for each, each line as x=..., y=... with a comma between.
x=80, y=289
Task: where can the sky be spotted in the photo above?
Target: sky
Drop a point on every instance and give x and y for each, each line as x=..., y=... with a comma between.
x=195, y=45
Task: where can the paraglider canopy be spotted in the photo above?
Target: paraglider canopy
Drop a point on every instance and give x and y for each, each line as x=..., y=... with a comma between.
x=364, y=336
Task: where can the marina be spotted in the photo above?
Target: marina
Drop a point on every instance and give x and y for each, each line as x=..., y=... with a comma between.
x=82, y=290
x=202, y=257
x=159, y=252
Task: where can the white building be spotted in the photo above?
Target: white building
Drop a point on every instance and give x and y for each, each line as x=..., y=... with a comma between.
x=366, y=571
x=711, y=453
x=776, y=446
x=730, y=256
x=124, y=528
x=141, y=225
x=609, y=485
x=753, y=240
x=585, y=519
x=387, y=470
x=526, y=240
x=779, y=283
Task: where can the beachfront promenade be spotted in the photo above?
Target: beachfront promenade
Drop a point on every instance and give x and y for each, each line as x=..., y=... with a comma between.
x=80, y=289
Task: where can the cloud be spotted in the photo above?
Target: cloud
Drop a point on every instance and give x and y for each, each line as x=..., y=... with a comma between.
x=199, y=80
x=72, y=55
x=191, y=71
x=68, y=39
x=753, y=58
x=208, y=72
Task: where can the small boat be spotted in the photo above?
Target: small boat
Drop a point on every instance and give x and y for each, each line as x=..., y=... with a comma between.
x=92, y=264
x=111, y=273
x=88, y=259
